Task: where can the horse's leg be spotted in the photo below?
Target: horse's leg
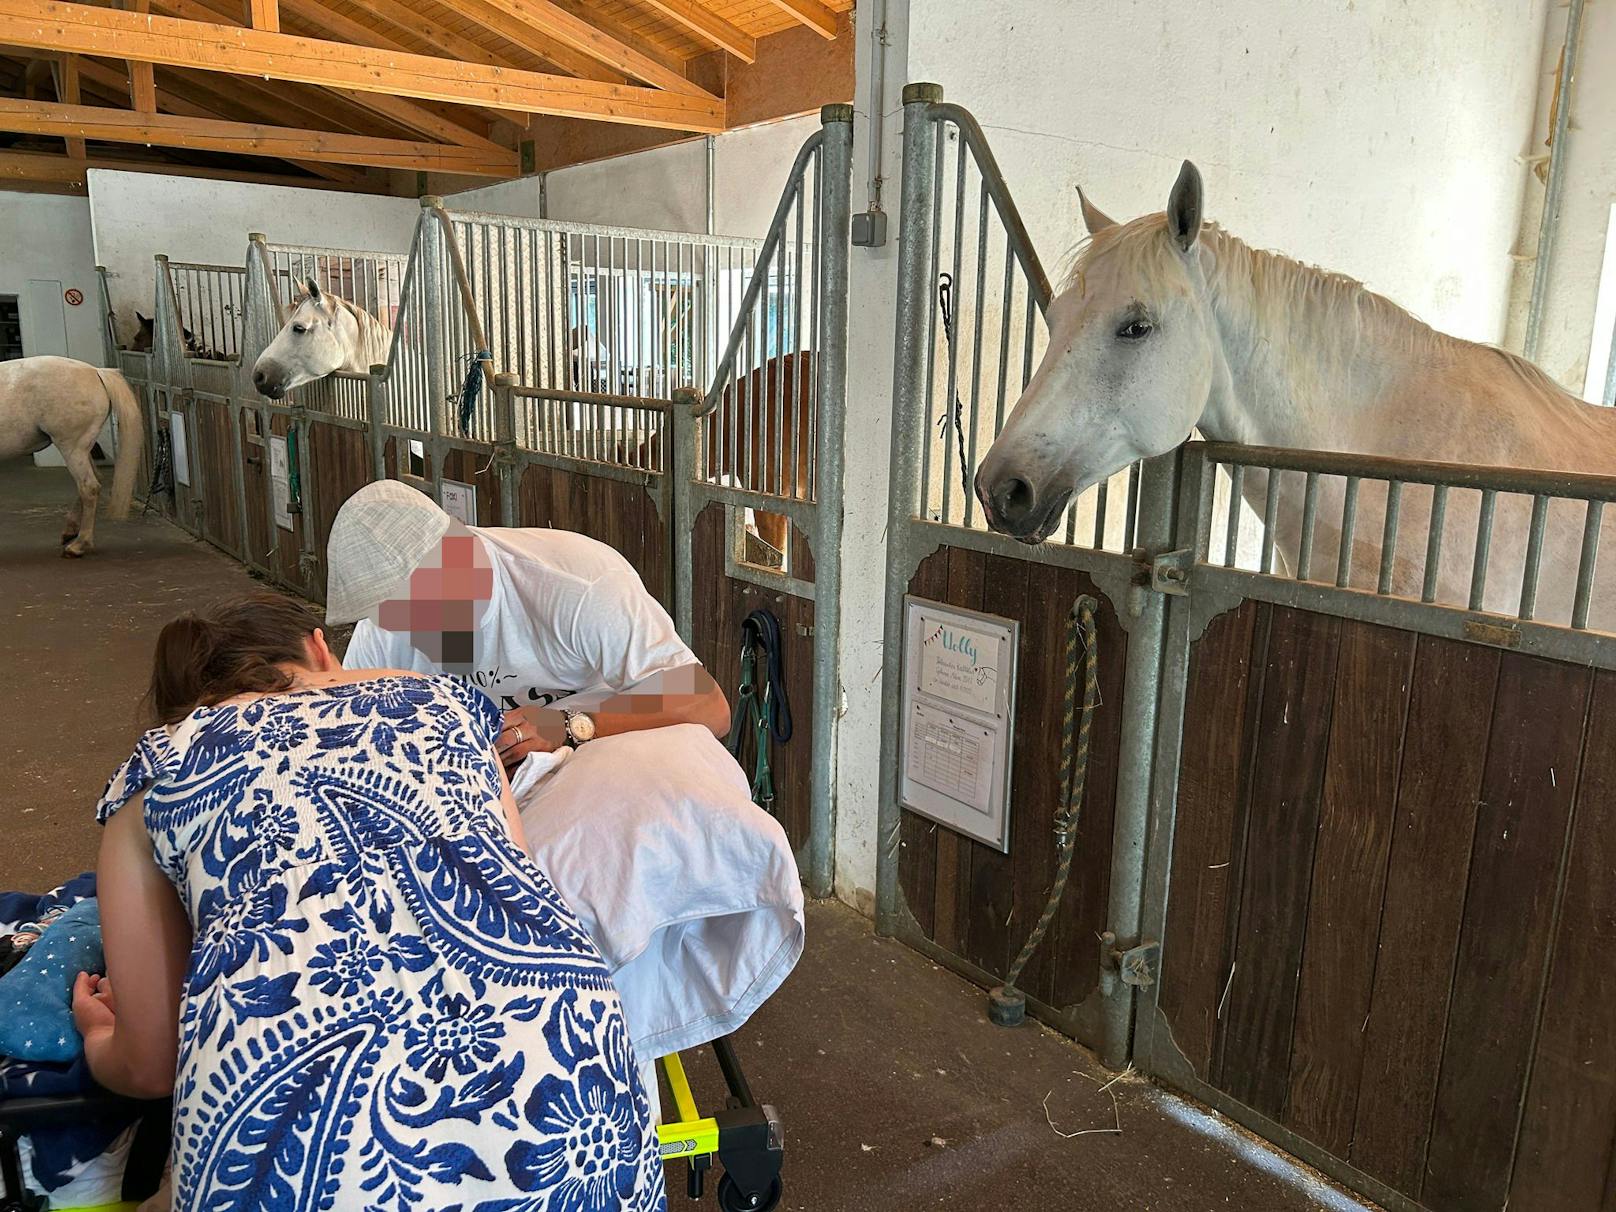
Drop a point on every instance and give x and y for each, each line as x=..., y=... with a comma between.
x=81, y=518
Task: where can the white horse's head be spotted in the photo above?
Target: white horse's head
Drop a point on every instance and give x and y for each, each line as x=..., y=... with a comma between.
x=1127, y=372
x=316, y=340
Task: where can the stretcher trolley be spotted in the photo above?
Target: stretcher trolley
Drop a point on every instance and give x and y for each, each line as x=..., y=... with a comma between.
x=745, y=1137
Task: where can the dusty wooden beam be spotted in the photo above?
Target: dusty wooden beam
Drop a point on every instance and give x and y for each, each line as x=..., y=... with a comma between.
x=708, y=26
x=84, y=29
x=64, y=170
x=264, y=14
x=67, y=90
x=810, y=13
x=142, y=82
x=247, y=138
x=551, y=19
x=456, y=45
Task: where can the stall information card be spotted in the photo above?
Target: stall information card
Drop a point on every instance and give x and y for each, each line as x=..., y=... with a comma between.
x=959, y=674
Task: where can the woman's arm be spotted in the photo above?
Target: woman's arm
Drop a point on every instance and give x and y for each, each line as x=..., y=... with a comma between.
x=147, y=940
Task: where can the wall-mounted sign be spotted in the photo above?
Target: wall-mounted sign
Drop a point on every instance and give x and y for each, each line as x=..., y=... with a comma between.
x=459, y=501
x=280, y=482
x=959, y=675
x=73, y=297
x=176, y=448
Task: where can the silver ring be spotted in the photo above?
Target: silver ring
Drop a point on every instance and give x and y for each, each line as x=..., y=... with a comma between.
x=518, y=734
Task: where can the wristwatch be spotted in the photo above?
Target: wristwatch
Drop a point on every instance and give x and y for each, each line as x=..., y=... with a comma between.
x=580, y=728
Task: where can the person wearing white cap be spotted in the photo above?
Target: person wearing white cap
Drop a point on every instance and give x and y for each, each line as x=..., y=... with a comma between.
x=556, y=627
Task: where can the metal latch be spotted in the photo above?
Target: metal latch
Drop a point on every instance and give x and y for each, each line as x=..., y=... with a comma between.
x=1499, y=635
x=1136, y=966
x=1170, y=572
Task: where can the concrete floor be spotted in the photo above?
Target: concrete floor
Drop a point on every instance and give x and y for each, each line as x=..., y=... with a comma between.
x=895, y=1092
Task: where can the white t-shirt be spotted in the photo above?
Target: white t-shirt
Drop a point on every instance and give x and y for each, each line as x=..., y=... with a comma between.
x=568, y=616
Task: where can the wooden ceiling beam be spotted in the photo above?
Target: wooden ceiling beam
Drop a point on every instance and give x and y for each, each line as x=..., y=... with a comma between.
x=113, y=84
x=551, y=20
x=708, y=26
x=264, y=14
x=246, y=138
x=810, y=13
x=67, y=171
x=457, y=46
x=67, y=89
x=84, y=29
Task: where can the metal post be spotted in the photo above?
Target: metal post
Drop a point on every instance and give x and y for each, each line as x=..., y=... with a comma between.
x=681, y=456
x=830, y=409
x=431, y=285
x=911, y=353
x=376, y=406
x=1549, y=224
x=1142, y=684
x=505, y=446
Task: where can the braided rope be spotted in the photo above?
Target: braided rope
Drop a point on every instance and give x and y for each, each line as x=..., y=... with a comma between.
x=1074, y=769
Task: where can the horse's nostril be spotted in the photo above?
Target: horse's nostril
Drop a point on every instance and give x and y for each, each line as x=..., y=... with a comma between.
x=1014, y=499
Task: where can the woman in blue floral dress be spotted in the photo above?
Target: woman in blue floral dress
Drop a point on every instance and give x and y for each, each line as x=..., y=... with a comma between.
x=326, y=939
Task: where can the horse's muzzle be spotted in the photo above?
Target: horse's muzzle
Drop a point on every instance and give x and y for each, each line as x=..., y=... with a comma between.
x=267, y=385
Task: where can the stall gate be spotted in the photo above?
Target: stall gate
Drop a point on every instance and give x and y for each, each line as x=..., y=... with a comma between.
x=1343, y=870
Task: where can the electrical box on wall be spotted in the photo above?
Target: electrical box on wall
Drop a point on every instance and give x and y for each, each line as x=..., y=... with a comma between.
x=958, y=713
x=870, y=229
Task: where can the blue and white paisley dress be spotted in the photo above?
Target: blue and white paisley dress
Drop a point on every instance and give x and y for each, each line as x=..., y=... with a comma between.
x=388, y=1005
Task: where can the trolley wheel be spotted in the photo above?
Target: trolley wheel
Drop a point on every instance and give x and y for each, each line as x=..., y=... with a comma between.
x=730, y=1198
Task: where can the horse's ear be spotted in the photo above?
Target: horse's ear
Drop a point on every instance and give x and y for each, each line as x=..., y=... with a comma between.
x=314, y=289
x=1184, y=207
x=1095, y=219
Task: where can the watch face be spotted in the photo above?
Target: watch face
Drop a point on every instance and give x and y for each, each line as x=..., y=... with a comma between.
x=581, y=727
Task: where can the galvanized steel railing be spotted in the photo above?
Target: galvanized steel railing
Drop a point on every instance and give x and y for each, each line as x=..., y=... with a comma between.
x=209, y=302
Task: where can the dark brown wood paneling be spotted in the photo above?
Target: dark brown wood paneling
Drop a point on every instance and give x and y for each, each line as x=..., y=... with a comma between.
x=617, y=513
x=1210, y=789
x=337, y=466
x=1569, y=1135
x=1286, y=786
x=1349, y=880
x=285, y=546
x=474, y=468
x=214, y=451
x=965, y=578
x=255, y=482
x=1526, y=799
x=1443, y=756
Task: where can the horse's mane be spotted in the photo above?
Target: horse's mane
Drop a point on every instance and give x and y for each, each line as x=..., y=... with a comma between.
x=375, y=335
x=1283, y=292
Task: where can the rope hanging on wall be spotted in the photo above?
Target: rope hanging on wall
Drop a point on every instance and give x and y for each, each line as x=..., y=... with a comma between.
x=471, y=388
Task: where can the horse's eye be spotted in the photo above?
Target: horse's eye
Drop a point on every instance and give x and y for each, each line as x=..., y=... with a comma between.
x=1135, y=330
x=300, y=329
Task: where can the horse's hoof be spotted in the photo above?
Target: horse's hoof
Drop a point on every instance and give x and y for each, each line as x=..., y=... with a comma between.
x=69, y=536
x=75, y=551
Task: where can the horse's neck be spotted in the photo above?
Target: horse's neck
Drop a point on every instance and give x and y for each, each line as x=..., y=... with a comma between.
x=369, y=345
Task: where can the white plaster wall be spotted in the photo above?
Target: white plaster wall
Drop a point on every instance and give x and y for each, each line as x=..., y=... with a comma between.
x=47, y=237
x=138, y=215
x=1572, y=293
x=664, y=188
x=1374, y=137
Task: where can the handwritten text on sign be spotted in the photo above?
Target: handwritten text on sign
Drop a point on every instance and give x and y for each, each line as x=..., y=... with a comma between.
x=960, y=665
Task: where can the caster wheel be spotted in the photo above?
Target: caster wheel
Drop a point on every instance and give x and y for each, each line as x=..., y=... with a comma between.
x=730, y=1198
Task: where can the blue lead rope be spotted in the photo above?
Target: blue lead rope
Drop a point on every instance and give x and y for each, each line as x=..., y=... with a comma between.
x=471, y=388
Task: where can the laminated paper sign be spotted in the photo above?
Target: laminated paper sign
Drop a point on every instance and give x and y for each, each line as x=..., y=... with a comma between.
x=280, y=482
x=176, y=448
x=459, y=501
x=957, y=711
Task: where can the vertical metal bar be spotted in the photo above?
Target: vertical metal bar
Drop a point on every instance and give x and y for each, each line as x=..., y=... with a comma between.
x=1310, y=520
x=777, y=413
x=1549, y=224
x=951, y=400
x=1587, y=563
x=1388, y=538
x=809, y=348
x=968, y=499
x=911, y=352
x=1231, y=542
x=933, y=131
x=1349, y=523
x=1433, y=542
x=1006, y=299
x=1484, y=539
x=1270, y=514
x=1534, y=556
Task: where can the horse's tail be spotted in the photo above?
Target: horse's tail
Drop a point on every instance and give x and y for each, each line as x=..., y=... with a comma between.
x=131, y=437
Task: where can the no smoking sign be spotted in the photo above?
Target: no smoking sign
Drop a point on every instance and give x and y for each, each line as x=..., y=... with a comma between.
x=73, y=297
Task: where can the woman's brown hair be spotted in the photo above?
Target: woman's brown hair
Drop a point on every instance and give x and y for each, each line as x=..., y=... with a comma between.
x=232, y=647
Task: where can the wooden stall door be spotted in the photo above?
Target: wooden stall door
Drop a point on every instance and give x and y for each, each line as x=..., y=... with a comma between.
x=338, y=465
x=1390, y=905
x=621, y=514
x=215, y=451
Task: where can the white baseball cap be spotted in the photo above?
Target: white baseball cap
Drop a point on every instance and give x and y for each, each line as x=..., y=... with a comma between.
x=380, y=535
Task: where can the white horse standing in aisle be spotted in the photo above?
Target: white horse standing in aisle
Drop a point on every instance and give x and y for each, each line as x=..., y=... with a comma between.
x=325, y=333
x=57, y=401
x=1166, y=326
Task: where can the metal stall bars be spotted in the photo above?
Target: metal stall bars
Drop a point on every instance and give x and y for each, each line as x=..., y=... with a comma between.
x=1376, y=861
x=136, y=367
x=968, y=338
x=768, y=437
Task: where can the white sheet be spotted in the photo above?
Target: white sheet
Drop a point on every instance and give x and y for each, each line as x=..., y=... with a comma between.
x=689, y=889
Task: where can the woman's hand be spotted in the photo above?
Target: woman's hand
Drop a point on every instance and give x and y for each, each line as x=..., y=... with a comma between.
x=94, y=1012
x=530, y=730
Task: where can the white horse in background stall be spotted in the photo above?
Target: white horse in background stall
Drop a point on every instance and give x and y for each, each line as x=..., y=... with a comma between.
x=1166, y=326
x=325, y=333
x=64, y=402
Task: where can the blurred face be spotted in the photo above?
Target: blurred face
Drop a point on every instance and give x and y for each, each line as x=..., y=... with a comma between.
x=444, y=602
